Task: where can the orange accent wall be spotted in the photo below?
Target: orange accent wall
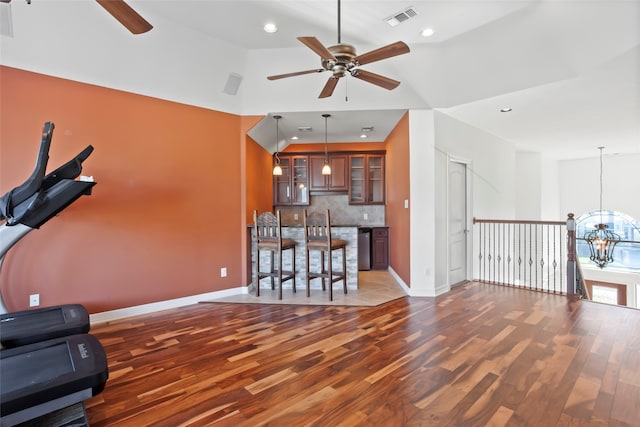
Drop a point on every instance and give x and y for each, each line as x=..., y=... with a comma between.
x=259, y=184
x=165, y=215
x=256, y=191
x=398, y=186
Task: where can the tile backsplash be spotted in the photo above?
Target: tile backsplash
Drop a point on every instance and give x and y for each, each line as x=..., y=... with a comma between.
x=342, y=213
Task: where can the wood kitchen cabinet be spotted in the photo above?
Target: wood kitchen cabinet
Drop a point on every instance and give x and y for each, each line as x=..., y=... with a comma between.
x=366, y=179
x=336, y=182
x=292, y=187
x=379, y=248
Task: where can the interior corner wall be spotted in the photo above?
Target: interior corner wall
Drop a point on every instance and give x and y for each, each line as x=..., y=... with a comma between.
x=493, y=168
x=398, y=189
x=256, y=191
x=550, y=192
x=579, y=182
x=422, y=202
x=165, y=214
x=528, y=186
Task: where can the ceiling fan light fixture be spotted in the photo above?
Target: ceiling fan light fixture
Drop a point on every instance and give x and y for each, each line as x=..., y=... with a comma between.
x=341, y=59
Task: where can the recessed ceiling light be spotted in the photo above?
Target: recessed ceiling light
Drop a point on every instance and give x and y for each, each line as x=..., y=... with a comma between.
x=364, y=135
x=295, y=138
x=427, y=32
x=505, y=110
x=270, y=27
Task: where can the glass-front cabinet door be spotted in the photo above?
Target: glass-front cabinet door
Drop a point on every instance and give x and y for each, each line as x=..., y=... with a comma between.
x=366, y=175
x=357, y=174
x=300, y=180
x=282, y=183
x=375, y=179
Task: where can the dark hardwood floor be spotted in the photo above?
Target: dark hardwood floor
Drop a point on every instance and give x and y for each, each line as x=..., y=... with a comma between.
x=481, y=355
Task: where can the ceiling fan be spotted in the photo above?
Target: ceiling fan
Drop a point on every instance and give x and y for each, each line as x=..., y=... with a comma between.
x=122, y=12
x=341, y=59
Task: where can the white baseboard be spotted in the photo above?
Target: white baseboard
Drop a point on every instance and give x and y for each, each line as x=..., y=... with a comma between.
x=407, y=289
x=121, y=313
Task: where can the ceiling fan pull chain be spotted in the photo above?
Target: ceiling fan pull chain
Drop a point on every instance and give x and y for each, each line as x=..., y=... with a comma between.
x=346, y=90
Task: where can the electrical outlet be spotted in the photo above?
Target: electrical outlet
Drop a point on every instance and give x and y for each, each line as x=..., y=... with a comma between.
x=295, y=216
x=223, y=272
x=366, y=216
x=34, y=300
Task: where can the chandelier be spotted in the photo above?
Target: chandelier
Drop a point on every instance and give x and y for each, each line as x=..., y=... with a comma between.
x=601, y=241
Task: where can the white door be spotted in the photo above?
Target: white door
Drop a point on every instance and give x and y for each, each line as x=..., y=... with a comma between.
x=457, y=195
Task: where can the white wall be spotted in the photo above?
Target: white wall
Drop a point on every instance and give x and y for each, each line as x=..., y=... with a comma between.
x=579, y=182
x=528, y=186
x=492, y=162
x=537, y=192
x=422, y=206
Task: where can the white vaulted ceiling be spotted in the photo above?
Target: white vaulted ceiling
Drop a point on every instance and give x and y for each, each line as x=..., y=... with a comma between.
x=568, y=69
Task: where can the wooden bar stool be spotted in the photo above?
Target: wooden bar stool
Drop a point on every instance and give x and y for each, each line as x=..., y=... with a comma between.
x=268, y=237
x=317, y=236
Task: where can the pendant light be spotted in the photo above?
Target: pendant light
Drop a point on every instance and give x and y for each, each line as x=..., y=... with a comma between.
x=277, y=169
x=326, y=168
x=601, y=241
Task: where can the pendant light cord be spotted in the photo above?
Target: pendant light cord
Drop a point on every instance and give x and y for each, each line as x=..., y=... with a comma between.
x=277, y=139
x=601, y=217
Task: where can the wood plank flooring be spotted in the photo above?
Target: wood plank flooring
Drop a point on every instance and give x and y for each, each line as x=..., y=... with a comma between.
x=482, y=355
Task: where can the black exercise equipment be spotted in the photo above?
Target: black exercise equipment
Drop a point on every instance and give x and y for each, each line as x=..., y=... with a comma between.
x=53, y=366
x=26, y=208
x=43, y=377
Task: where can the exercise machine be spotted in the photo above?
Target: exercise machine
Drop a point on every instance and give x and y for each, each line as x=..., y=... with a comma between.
x=52, y=365
x=48, y=376
x=24, y=209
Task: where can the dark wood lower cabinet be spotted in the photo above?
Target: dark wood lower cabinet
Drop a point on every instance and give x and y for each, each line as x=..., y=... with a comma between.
x=379, y=248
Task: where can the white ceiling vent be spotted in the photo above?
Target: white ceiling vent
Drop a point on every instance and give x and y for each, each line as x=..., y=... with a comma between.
x=401, y=16
x=305, y=129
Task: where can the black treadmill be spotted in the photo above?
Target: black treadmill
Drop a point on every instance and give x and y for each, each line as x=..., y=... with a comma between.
x=26, y=208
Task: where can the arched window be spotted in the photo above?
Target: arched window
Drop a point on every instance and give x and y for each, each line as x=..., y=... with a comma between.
x=626, y=255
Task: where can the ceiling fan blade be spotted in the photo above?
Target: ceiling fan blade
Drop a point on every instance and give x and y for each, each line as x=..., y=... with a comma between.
x=376, y=79
x=394, y=49
x=315, y=45
x=328, y=88
x=126, y=15
x=298, y=73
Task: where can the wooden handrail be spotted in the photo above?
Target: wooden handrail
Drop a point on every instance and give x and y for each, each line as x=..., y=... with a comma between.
x=507, y=221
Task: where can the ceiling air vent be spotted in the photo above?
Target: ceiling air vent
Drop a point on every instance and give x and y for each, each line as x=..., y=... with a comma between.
x=401, y=16
x=305, y=129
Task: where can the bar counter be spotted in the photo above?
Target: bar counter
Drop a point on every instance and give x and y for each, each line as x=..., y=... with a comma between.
x=296, y=232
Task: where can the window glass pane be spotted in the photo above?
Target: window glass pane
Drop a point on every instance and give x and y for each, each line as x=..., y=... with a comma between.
x=605, y=294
